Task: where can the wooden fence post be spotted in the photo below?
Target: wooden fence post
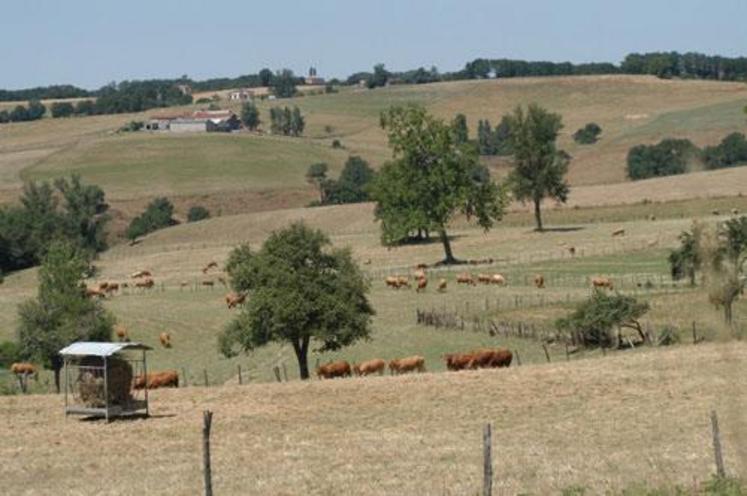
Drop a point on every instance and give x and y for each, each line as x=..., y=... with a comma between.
x=487, y=467
x=240, y=380
x=184, y=374
x=518, y=358
x=718, y=455
x=547, y=353
x=695, y=333
x=207, y=422
x=204, y=372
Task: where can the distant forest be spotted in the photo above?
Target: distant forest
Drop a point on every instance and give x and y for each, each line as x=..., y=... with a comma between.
x=158, y=93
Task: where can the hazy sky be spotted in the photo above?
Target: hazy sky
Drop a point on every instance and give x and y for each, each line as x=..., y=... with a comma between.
x=92, y=42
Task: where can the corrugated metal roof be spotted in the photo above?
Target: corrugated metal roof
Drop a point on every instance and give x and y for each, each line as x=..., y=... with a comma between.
x=82, y=348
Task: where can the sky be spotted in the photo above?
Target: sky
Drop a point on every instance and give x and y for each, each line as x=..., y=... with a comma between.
x=90, y=43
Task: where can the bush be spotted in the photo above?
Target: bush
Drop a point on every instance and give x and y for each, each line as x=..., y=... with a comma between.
x=669, y=157
x=203, y=100
x=730, y=152
x=197, y=213
x=62, y=109
x=157, y=215
x=587, y=135
x=336, y=144
x=85, y=107
x=132, y=126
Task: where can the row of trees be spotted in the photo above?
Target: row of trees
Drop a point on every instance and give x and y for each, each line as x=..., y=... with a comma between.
x=677, y=156
x=353, y=185
x=286, y=121
x=68, y=210
x=53, y=92
x=32, y=111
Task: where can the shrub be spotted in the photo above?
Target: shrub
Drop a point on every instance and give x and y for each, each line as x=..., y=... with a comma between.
x=669, y=157
x=132, y=126
x=336, y=144
x=10, y=352
x=85, y=107
x=587, y=135
x=157, y=215
x=62, y=109
x=197, y=213
x=730, y=152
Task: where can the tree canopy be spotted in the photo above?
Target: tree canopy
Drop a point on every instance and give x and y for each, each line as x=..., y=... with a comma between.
x=283, y=84
x=157, y=215
x=250, y=116
x=431, y=179
x=539, y=167
x=300, y=291
x=60, y=314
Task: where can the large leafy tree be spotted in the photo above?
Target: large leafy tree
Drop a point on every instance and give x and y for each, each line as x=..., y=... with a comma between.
x=301, y=291
x=540, y=168
x=316, y=174
x=723, y=255
x=685, y=260
x=250, y=116
x=284, y=84
x=431, y=179
x=461, y=132
x=60, y=314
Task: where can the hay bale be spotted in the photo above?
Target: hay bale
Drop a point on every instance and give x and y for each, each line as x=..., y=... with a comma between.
x=91, y=382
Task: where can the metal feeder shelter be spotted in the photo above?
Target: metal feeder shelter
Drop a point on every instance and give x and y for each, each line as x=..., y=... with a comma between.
x=100, y=379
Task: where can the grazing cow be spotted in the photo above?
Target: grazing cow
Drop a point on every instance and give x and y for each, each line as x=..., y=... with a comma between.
x=234, y=299
x=403, y=281
x=457, y=361
x=618, y=232
x=466, y=278
x=211, y=265
x=422, y=284
x=539, y=281
x=602, y=282
x=121, y=332
x=147, y=283
x=165, y=339
x=484, y=278
x=333, y=369
x=112, y=287
x=24, y=368
x=490, y=358
x=419, y=274
x=405, y=365
x=103, y=286
x=155, y=380
x=392, y=282
x=572, y=250
x=498, y=279
x=94, y=292
x=442, y=285
x=209, y=283
x=141, y=273
x=370, y=367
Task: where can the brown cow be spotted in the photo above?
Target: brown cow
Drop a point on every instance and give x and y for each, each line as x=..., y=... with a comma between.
x=121, y=332
x=94, y=292
x=155, y=380
x=602, y=282
x=211, y=265
x=141, y=273
x=498, y=279
x=457, y=361
x=208, y=283
x=165, y=339
x=147, y=283
x=392, y=282
x=419, y=274
x=466, y=278
x=618, y=232
x=234, y=299
x=112, y=287
x=484, y=278
x=23, y=368
x=333, y=369
x=442, y=285
x=490, y=358
x=422, y=284
x=572, y=250
x=409, y=364
x=370, y=367
x=403, y=281
x=103, y=286
x=539, y=281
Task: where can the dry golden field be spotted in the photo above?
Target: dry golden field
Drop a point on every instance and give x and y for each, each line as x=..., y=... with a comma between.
x=603, y=424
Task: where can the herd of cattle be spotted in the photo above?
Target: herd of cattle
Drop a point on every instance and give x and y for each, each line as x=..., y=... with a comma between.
x=485, y=358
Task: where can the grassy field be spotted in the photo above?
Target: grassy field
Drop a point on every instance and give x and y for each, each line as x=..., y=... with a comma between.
x=603, y=424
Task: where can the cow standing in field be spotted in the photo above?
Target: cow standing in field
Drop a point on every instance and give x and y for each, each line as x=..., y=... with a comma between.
x=539, y=281
x=165, y=339
x=377, y=365
x=121, y=332
x=457, y=361
x=22, y=371
x=234, y=299
x=490, y=358
x=140, y=274
x=333, y=369
x=112, y=287
x=442, y=285
x=484, y=278
x=211, y=265
x=422, y=284
x=466, y=278
x=498, y=279
x=155, y=380
x=405, y=365
x=94, y=293
x=146, y=283
x=602, y=282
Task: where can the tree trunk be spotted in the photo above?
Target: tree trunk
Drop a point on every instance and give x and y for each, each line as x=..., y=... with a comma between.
x=692, y=278
x=727, y=312
x=56, y=363
x=538, y=213
x=302, y=350
x=449, y=255
x=57, y=379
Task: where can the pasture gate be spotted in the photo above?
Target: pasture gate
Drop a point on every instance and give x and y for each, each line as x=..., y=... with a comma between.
x=100, y=379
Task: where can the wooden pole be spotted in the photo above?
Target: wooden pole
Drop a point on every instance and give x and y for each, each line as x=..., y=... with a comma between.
x=204, y=372
x=695, y=333
x=518, y=358
x=547, y=353
x=184, y=374
x=239, y=370
x=718, y=455
x=207, y=421
x=487, y=468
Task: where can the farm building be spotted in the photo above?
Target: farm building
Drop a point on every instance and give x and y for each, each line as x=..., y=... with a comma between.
x=200, y=121
x=241, y=95
x=188, y=125
x=99, y=379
